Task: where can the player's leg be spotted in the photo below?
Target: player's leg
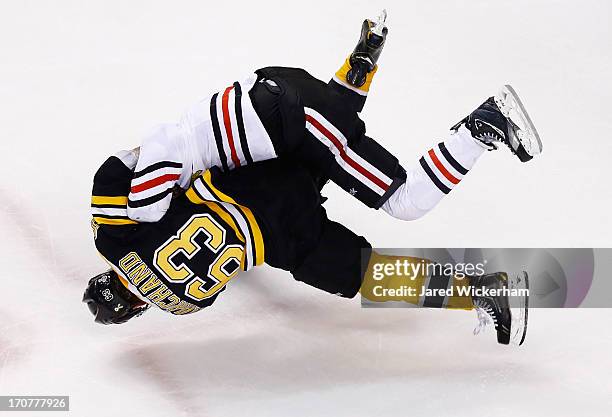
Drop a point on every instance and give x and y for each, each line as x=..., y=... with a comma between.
x=434, y=176
x=355, y=76
x=374, y=176
x=336, y=147
x=499, y=120
x=350, y=158
x=406, y=278
x=334, y=265
x=424, y=283
x=310, y=123
x=343, y=263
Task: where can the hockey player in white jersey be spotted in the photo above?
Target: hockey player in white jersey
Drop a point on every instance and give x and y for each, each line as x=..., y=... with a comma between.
x=309, y=132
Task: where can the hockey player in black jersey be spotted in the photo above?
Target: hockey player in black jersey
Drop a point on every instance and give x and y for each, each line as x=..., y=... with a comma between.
x=236, y=183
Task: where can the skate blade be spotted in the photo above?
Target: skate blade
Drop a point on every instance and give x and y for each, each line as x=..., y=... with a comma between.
x=511, y=107
x=379, y=25
x=519, y=308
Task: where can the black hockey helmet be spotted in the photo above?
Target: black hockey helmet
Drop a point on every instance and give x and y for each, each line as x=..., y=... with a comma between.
x=110, y=301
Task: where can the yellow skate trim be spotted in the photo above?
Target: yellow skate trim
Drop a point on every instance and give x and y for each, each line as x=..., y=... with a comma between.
x=340, y=78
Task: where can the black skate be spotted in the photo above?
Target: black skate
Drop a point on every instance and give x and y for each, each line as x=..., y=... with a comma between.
x=503, y=119
x=368, y=49
x=509, y=315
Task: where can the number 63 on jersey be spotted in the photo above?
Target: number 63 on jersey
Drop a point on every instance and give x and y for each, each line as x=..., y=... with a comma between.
x=225, y=266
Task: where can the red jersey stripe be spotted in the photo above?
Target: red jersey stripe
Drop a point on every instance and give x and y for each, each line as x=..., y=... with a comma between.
x=154, y=182
x=442, y=168
x=344, y=155
x=228, y=125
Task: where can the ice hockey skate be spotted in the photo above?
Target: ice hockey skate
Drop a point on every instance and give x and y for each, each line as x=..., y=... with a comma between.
x=364, y=57
x=509, y=315
x=503, y=119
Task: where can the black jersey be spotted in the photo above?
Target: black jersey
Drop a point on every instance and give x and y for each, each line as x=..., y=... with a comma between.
x=184, y=261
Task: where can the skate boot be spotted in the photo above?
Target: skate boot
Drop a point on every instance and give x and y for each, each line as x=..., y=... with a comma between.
x=364, y=57
x=509, y=315
x=503, y=119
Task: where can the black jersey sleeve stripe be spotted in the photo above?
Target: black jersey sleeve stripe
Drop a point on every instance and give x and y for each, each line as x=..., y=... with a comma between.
x=156, y=166
x=204, y=184
x=149, y=200
x=251, y=237
x=196, y=191
x=452, y=160
x=241, y=132
x=433, y=177
x=107, y=216
x=241, y=212
x=115, y=206
x=217, y=131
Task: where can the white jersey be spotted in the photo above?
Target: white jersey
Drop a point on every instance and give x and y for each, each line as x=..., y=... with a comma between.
x=223, y=130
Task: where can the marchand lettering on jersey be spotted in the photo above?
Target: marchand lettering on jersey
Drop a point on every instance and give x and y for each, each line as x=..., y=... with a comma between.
x=151, y=287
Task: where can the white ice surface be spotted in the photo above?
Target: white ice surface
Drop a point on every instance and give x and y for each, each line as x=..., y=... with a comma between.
x=80, y=80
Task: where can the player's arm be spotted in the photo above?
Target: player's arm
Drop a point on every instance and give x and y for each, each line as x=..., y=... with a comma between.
x=159, y=168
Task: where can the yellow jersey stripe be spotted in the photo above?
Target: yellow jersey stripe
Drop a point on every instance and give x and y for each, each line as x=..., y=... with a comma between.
x=257, y=235
x=114, y=201
x=113, y=222
x=194, y=198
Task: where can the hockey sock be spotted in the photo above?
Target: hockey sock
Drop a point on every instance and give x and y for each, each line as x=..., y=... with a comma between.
x=340, y=78
x=438, y=172
x=416, y=281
